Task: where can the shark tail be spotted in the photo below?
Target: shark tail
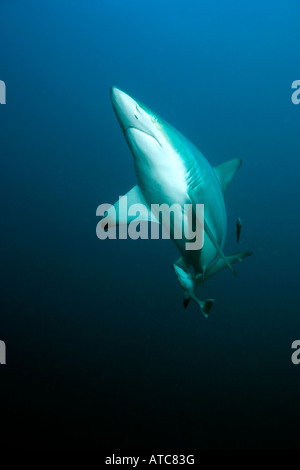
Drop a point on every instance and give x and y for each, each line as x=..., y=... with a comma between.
x=205, y=305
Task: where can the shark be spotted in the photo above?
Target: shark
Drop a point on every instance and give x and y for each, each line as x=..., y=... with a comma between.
x=171, y=170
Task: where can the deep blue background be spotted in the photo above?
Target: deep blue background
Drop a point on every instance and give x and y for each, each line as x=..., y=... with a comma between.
x=100, y=352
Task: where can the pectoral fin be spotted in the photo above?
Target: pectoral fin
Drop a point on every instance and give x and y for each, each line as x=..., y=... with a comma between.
x=231, y=258
x=118, y=215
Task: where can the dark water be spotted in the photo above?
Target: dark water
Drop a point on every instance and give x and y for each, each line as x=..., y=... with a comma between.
x=100, y=352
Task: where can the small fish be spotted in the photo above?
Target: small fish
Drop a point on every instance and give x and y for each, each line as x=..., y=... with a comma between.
x=239, y=226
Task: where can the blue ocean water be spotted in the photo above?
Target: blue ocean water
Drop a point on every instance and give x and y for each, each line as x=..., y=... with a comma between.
x=100, y=351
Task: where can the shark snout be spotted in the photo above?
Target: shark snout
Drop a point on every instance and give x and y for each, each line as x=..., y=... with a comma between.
x=126, y=108
x=136, y=121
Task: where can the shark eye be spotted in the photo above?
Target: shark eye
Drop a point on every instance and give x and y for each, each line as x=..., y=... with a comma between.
x=153, y=119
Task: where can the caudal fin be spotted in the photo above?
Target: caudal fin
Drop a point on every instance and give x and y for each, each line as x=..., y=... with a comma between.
x=205, y=305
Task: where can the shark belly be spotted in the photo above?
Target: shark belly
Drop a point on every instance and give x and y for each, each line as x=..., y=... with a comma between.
x=165, y=184
x=170, y=179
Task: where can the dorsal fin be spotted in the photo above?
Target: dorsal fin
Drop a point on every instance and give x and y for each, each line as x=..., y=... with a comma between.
x=226, y=171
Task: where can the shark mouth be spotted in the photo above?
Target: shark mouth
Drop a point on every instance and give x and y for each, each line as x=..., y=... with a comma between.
x=135, y=129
